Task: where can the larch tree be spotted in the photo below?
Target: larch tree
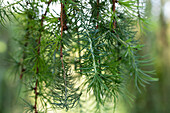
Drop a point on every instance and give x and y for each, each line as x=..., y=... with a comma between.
x=90, y=47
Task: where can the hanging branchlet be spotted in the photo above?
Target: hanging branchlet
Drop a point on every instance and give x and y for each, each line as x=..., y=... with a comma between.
x=38, y=53
x=107, y=51
x=63, y=27
x=99, y=61
x=63, y=16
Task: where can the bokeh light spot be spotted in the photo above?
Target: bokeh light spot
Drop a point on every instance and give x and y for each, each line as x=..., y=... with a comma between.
x=3, y=47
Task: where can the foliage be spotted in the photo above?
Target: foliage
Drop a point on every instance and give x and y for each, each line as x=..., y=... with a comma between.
x=88, y=47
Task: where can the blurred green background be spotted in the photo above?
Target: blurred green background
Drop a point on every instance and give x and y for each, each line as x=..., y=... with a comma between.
x=155, y=97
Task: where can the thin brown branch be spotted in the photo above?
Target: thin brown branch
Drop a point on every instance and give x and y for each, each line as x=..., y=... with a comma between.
x=36, y=95
x=38, y=51
x=97, y=28
x=97, y=13
x=114, y=10
x=64, y=17
x=24, y=55
x=22, y=71
x=63, y=23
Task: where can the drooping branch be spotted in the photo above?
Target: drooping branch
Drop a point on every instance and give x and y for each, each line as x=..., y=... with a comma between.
x=63, y=17
x=114, y=27
x=63, y=25
x=103, y=51
x=99, y=61
x=38, y=52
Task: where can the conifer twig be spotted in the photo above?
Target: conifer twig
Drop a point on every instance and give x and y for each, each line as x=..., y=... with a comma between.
x=38, y=51
x=97, y=28
x=63, y=25
x=36, y=95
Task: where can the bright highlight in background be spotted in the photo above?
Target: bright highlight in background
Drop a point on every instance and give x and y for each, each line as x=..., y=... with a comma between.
x=3, y=47
x=167, y=10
